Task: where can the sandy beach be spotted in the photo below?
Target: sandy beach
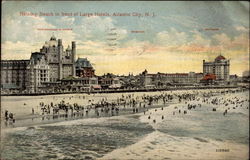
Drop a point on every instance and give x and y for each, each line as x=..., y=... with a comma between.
x=158, y=131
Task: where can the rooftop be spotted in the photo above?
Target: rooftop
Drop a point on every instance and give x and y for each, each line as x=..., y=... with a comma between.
x=36, y=56
x=83, y=62
x=219, y=58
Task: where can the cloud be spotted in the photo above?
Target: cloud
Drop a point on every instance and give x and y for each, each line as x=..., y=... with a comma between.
x=66, y=21
x=91, y=47
x=67, y=36
x=240, y=42
x=26, y=29
x=222, y=40
x=177, y=41
x=182, y=20
x=171, y=37
x=195, y=42
x=95, y=27
x=17, y=50
x=199, y=39
x=135, y=47
x=242, y=28
x=23, y=34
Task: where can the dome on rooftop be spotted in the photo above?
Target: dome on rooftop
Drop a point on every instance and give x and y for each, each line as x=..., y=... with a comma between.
x=46, y=44
x=53, y=38
x=68, y=49
x=219, y=58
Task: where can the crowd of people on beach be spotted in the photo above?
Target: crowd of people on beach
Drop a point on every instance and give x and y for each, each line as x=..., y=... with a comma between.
x=128, y=102
x=132, y=103
x=136, y=104
x=196, y=100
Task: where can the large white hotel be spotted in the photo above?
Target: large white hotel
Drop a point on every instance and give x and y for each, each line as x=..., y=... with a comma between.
x=220, y=68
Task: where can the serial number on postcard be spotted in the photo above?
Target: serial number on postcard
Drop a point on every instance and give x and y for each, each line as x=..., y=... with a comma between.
x=222, y=150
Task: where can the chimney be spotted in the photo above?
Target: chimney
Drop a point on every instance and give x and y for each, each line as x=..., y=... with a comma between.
x=60, y=52
x=73, y=58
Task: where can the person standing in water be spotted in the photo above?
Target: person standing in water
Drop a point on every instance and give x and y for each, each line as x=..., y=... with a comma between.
x=6, y=115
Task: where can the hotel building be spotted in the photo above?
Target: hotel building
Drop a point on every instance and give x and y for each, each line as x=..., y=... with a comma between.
x=50, y=65
x=219, y=67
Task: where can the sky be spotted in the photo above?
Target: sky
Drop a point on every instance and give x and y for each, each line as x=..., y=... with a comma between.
x=131, y=36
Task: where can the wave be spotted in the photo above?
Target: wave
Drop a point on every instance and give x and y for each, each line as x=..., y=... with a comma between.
x=158, y=145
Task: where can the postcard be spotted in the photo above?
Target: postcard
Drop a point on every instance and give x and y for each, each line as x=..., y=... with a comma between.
x=125, y=80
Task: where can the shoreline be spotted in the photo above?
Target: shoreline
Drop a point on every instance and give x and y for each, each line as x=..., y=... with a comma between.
x=28, y=121
x=124, y=91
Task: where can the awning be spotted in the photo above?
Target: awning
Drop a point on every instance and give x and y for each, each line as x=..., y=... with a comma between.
x=96, y=87
x=115, y=86
x=10, y=86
